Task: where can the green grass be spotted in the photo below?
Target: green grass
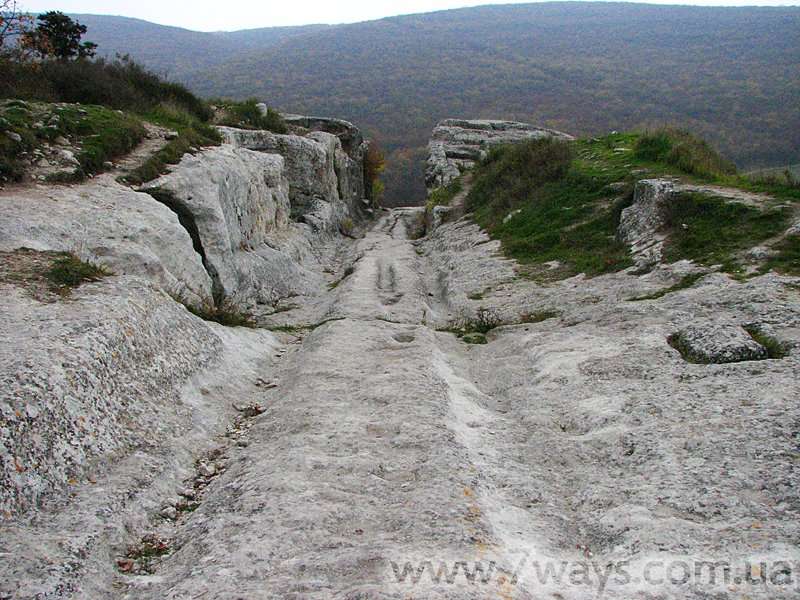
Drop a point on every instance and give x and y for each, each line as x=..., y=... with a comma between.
x=103, y=135
x=102, y=87
x=684, y=151
x=192, y=135
x=787, y=259
x=247, y=115
x=68, y=272
x=677, y=341
x=443, y=196
x=716, y=230
x=225, y=314
x=686, y=282
x=565, y=209
x=775, y=348
x=570, y=197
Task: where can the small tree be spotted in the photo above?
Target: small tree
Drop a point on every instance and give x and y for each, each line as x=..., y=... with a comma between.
x=58, y=36
x=374, y=164
x=13, y=22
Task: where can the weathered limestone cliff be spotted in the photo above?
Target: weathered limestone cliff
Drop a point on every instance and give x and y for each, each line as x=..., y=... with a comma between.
x=86, y=380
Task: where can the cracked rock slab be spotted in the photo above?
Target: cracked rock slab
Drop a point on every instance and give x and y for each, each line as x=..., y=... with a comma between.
x=714, y=343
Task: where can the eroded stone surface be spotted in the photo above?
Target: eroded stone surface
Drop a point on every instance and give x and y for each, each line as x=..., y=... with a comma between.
x=717, y=343
x=109, y=224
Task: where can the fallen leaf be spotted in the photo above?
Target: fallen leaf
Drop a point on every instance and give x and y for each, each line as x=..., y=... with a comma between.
x=125, y=565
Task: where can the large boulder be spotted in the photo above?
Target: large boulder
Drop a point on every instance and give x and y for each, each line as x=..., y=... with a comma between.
x=309, y=164
x=235, y=203
x=324, y=181
x=641, y=223
x=717, y=343
x=106, y=223
x=457, y=144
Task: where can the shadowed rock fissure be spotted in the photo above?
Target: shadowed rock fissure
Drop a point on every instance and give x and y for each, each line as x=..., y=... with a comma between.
x=186, y=219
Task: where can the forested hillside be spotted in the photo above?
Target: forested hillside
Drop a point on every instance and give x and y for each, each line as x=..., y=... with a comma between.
x=731, y=75
x=175, y=51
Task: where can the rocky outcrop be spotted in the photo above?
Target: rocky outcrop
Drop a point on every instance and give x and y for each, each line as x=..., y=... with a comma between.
x=231, y=200
x=717, y=343
x=89, y=381
x=324, y=161
x=641, y=223
x=456, y=145
x=316, y=169
x=106, y=223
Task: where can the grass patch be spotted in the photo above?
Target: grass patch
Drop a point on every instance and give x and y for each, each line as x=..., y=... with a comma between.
x=684, y=151
x=686, y=282
x=677, y=341
x=225, y=314
x=775, y=348
x=104, y=134
x=101, y=134
x=247, y=115
x=193, y=134
x=68, y=272
x=443, y=196
x=787, y=259
x=711, y=231
x=570, y=197
x=103, y=87
x=566, y=213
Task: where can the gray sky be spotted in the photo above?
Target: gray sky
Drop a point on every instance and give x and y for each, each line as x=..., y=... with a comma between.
x=207, y=15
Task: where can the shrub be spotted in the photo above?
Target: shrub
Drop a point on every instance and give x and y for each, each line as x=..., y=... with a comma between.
x=120, y=84
x=508, y=174
x=684, y=151
x=374, y=165
x=248, y=115
x=483, y=322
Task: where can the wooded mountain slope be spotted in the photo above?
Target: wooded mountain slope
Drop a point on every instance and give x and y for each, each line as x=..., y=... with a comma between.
x=731, y=75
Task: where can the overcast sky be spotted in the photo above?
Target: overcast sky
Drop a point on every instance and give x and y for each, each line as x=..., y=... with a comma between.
x=207, y=15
